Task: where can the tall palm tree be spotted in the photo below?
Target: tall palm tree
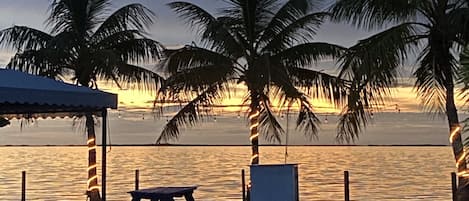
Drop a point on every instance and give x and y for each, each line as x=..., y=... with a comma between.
x=87, y=43
x=267, y=46
x=435, y=30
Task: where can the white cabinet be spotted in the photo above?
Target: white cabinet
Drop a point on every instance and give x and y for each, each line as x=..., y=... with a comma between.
x=274, y=182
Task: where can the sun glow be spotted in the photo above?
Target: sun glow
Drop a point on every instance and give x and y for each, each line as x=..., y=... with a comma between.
x=402, y=98
x=231, y=103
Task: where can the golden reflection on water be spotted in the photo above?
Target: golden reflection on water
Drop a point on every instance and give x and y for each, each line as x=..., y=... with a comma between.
x=376, y=173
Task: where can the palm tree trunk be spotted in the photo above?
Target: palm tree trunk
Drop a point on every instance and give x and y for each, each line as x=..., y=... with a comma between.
x=456, y=142
x=254, y=138
x=93, y=188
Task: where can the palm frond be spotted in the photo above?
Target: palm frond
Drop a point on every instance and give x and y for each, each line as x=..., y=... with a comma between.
x=198, y=78
x=288, y=13
x=434, y=71
x=299, y=31
x=103, y=63
x=371, y=66
x=255, y=14
x=96, y=9
x=281, y=87
x=130, y=17
x=269, y=126
x=287, y=94
x=138, y=50
x=373, y=61
x=191, y=113
x=305, y=54
x=307, y=120
x=353, y=118
x=291, y=67
x=24, y=38
x=319, y=85
x=386, y=49
x=65, y=42
x=214, y=32
x=135, y=77
x=130, y=46
x=116, y=38
x=372, y=14
x=223, y=36
x=194, y=15
x=68, y=15
x=463, y=73
x=189, y=57
x=60, y=17
x=42, y=62
x=432, y=96
x=459, y=23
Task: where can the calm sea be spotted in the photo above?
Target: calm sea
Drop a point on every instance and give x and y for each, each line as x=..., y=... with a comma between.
x=376, y=173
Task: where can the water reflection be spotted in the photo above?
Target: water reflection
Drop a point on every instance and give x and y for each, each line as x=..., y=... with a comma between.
x=376, y=173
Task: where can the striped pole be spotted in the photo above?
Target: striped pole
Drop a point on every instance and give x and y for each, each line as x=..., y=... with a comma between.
x=254, y=138
x=92, y=183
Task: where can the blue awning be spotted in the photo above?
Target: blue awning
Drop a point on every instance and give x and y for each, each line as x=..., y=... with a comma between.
x=26, y=94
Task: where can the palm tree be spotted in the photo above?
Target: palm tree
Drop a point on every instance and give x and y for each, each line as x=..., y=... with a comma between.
x=87, y=44
x=265, y=45
x=435, y=30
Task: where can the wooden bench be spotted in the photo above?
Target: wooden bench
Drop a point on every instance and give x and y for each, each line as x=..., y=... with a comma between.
x=163, y=193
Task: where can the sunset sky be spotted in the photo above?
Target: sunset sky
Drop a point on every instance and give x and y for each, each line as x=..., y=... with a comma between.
x=134, y=117
x=389, y=149
x=170, y=31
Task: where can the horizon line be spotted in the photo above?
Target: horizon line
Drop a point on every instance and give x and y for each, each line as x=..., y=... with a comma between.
x=228, y=145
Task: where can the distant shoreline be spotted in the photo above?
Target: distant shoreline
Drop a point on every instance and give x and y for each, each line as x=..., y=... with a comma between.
x=241, y=145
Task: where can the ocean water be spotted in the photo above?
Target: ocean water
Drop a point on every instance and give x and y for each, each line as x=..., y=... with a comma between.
x=143, y=128
x=376, y=173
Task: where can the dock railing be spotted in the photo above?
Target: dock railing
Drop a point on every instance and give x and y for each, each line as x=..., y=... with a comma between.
x=244, y=190
x=23, y=186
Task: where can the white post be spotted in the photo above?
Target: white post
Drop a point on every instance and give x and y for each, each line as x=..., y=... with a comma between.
x=103, y=151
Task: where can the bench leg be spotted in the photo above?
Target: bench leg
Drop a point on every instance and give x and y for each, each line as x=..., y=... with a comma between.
x=189, y=197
